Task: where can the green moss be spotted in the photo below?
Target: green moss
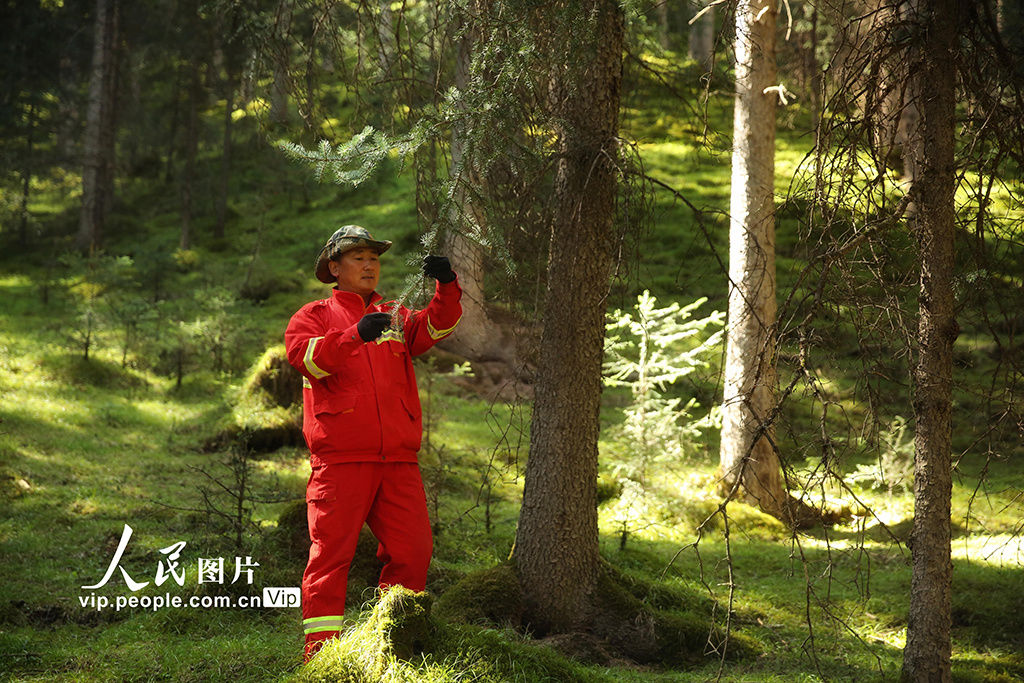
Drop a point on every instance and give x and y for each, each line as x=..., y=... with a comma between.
x=686, y=635
x=94, y=372
x=397, y=629
x=273, y=380
x=488, y=597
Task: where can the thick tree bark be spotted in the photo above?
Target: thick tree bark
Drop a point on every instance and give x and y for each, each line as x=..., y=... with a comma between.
x=749, y=462
x=926, y=656
x=475, y=337
x=557, y=541
x=98, y=145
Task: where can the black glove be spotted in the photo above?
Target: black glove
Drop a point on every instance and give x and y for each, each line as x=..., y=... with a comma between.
x=371, y=325
x=439, y=268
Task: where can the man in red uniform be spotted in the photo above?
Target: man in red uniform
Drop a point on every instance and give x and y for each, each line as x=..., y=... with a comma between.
x=362, y=422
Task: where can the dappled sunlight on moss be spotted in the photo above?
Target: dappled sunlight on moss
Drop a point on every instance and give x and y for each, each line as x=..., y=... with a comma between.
x=1000, y=550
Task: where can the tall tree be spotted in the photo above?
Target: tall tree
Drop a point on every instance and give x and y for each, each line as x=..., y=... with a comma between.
x=98, y=141
x=932, y=69
x=701, y=41
x=281, y=59
x=474, y=337
x=188, y=179
x=749, y=461
x=231, y=50
x=557, y=541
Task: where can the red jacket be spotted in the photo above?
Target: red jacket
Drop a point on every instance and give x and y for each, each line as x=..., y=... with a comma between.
x=360, y=402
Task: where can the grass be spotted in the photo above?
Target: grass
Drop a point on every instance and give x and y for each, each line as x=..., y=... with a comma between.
x=88, y=446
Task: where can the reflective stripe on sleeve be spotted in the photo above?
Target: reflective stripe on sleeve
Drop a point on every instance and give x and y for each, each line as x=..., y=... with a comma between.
x=317, y=624
x=314, y=370
x=438, y=334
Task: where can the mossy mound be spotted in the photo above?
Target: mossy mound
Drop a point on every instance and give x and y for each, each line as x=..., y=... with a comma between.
x=76, y=371
x=293, y=531
x=267, y=412
x=632, y=621
x=490, y=597
x=274, y=376
x=284, y=431
x=682, y=634
x=397, y=629
x=402, y=640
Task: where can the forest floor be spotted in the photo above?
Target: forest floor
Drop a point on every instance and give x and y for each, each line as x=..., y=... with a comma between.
x=123, y=438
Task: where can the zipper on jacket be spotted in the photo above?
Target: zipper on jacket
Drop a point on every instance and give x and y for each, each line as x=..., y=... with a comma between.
x=376, y=391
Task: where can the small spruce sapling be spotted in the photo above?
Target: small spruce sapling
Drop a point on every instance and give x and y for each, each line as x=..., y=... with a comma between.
x=648, y=350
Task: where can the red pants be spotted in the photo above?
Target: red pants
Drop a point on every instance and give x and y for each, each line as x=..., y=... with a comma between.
x=389, y=498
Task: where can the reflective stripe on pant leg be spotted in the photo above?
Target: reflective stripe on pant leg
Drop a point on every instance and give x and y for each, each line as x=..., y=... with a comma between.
x=318, y=624
x=338, y=499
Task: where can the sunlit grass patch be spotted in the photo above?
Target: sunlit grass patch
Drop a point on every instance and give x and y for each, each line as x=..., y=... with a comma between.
x=1000, y=550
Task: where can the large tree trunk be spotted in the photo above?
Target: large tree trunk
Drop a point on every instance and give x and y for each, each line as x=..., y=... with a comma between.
x=891, y=107
x=475, y=336
x=98, y=144
x=557, y=541
x=926, y=656
x=749, y=462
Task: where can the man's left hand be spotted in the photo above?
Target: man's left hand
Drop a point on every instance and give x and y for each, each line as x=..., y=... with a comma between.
x=439, y=268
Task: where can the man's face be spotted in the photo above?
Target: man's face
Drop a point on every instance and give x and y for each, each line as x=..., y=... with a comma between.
x=357, y=270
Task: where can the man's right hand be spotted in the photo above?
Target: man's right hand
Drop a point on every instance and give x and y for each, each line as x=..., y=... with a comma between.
x=371, y=325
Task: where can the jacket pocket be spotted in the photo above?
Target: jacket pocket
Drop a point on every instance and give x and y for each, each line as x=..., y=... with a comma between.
x=321, y=498
x=320, y=489
x=412, y=412
x=412, y=434
x=346, y=424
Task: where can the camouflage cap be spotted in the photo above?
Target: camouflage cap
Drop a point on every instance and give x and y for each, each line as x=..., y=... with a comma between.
x=345, y=238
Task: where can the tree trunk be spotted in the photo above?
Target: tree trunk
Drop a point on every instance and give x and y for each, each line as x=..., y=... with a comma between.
x=225, y=159
x=661, y=17
x=26, y=176
x=68, y=110
x=702, y=37
x=98, y=144
x=892, y=110
x=172, y=135
x=474, y=338
x=387, y=48
x=926, y=656
x=282, y=63
x=749, y=462
x=557, y=541
x=191, y=147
